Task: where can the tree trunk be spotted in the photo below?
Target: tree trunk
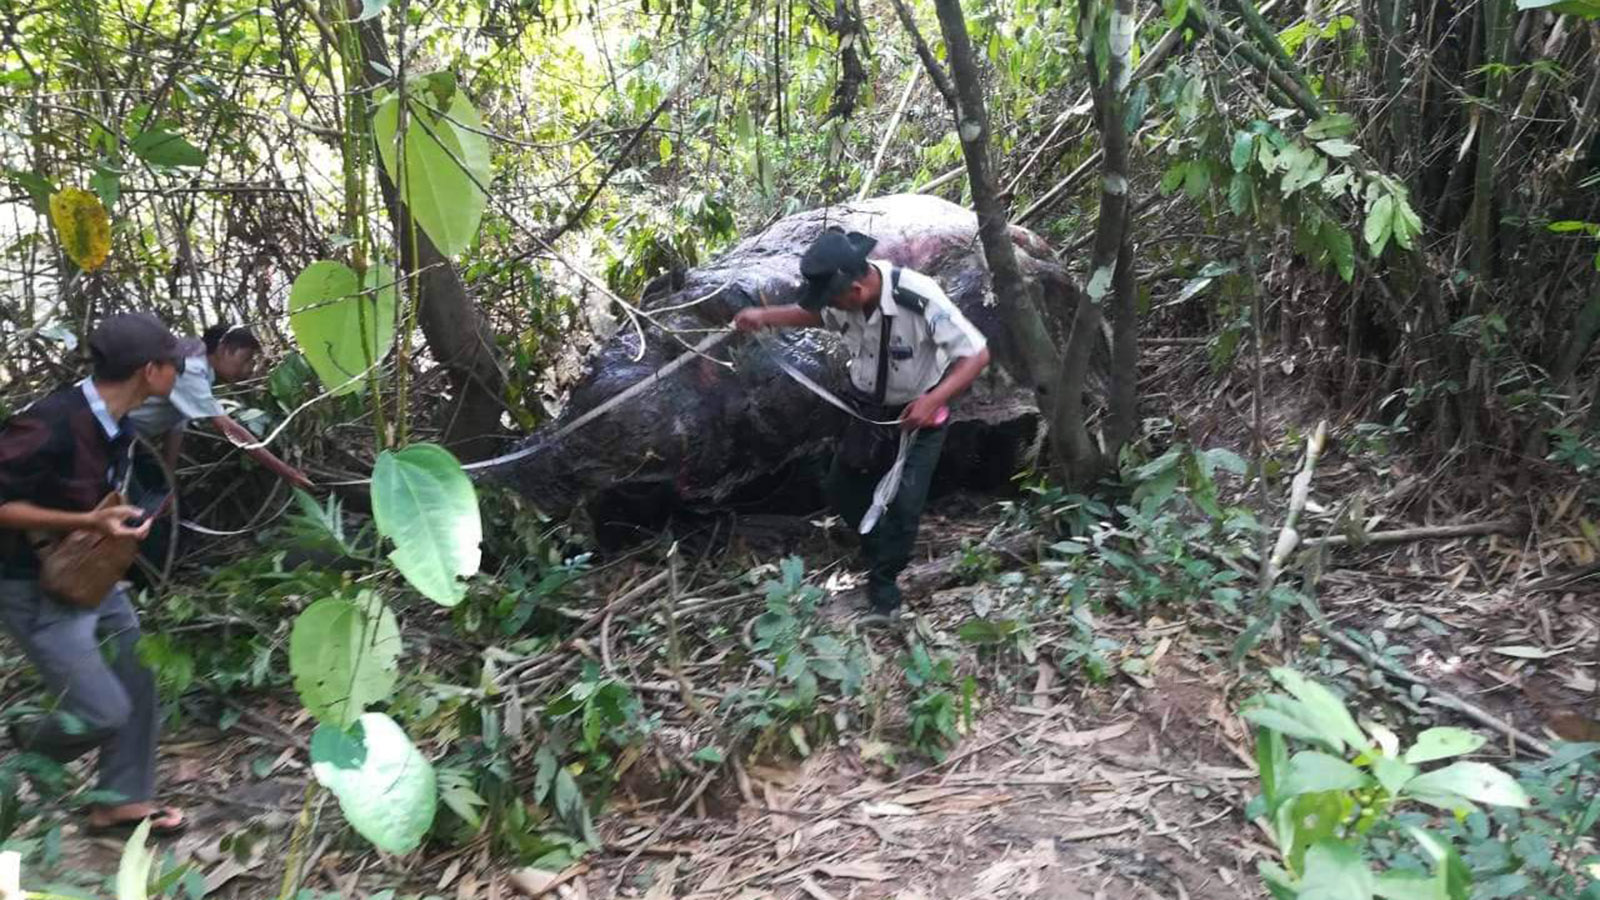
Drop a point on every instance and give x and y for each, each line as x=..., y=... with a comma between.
x=1075, y=455
x=1111, y=281
x=457, y=335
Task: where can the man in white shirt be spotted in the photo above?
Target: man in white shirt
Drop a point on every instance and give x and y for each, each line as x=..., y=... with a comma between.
x=911, y=353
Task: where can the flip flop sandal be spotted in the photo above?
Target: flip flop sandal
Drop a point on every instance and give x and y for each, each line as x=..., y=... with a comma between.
x=125, y=828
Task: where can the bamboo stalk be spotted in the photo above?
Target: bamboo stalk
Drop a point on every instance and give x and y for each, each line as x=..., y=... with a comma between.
x=1299, y=493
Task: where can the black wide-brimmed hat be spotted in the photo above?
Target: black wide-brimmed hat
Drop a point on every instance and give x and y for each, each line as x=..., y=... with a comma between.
x=833, y=260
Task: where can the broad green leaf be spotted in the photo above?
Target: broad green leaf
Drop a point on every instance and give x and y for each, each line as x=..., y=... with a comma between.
x=344, y=656
x=1312, y=771
x=711, y=755
x=1244, y=145
x=1335, y=871
x=424, y=502
x=1340, y=247
x=1336, y=125
x=1272, y=759
x=1307, y=820
x=133, y=869
x=446, y=166
x=1379, y=225
x=1393, y=774
x=1406, y=886
x=1407, y=225
x=385, y=787
x=1173, y=177
x=1452, y=880
x=1566, y=226
x=1279, y=883
x=1337, y=148
x=38, y=187
x=1197, y=180
x=1471, y=781
x=160, y=147
x=1241, y=193
x=327, y=311
x=83, y=227
x=1327, y=712
x=1440, y=743
x=1290, y=723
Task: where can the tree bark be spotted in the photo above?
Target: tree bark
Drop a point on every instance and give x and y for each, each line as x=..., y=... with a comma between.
x=1111, y=281
x=1075, y=455
x=457, y=334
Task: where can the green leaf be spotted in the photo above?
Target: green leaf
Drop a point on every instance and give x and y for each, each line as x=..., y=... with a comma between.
x=446, y=166
x=1197, y=180
x=1565, y=226
x=1441, y=743
x=1244, y=145
x=1336, y=125
x=133, y=869
x=1379, y=225
x=38, y=187
x=1272, y=759
x=1241, y=193
x=1393, y=774
x=424, y=502
x=1173, y=177
x=327, y=306
x=1337, y=148
x=160, y=147
x=1471, y=781
x=1327, y=711
x=1407, y=224
x=1335, y=871
x=385, y=787
x=1452, y=880
x=1313, y=771
x=1394, y=885
x=344, y=656
x=711, y=755
x=1341, y=248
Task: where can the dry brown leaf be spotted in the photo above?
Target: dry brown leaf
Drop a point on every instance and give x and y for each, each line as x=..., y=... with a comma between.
x=467, y=889
x=815, y=890
x=531, y=882
x=1075, y=739
x=861, y=870
x=665, y=882
x=925, y=795
x=450, y=873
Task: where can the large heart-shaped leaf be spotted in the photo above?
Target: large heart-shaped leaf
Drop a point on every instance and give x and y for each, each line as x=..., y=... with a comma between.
x=424, y=502
x=445, y=160
x=327, y=311
x=83, y=227
x=386, y=788
x=344, y=657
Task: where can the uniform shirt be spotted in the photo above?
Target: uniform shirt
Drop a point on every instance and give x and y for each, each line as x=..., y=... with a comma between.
x=64, y=452
x=191, y=398
x=921, y=344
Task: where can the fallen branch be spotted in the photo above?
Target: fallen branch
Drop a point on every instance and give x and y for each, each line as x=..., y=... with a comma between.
x=1435, y=696
x=1299, y=493
x=1425, y=533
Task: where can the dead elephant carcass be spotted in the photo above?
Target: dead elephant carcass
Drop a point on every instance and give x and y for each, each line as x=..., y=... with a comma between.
x=720, y=428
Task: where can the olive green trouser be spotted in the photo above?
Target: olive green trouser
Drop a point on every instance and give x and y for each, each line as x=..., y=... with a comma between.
x=888, y=547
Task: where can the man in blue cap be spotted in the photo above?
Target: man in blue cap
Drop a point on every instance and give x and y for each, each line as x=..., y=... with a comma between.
x=911, y=353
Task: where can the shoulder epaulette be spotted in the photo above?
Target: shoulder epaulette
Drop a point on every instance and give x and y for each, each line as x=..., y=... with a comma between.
x=906, y=297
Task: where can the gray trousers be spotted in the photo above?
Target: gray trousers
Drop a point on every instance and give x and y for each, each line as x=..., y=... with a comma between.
x=107, y=698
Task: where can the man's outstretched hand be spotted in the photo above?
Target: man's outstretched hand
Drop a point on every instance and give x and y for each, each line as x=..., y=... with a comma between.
x=750, y=319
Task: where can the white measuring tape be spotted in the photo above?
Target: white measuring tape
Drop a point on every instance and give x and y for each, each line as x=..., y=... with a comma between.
x=882, y=496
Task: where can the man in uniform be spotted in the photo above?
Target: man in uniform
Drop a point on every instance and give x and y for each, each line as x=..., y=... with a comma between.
x=911, y=353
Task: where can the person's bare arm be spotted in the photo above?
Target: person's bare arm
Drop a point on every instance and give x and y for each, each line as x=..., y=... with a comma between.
x=962, y=373
x=790, y=316
x=241, y=437
x=21, y=515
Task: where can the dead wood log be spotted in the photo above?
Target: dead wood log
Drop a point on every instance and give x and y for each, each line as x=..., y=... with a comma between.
x=1425, y=533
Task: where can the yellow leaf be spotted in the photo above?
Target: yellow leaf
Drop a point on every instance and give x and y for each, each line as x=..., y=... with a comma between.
x=83, y=226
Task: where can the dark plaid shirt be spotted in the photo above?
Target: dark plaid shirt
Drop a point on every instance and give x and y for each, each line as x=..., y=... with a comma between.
x=60, y=454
